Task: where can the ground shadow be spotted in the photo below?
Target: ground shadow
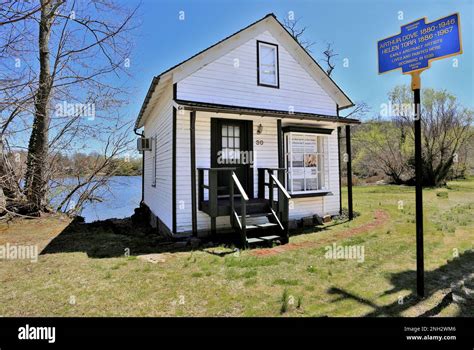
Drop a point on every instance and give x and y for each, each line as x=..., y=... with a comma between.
x=443, y=278
x=111, y=238
x=116, y=237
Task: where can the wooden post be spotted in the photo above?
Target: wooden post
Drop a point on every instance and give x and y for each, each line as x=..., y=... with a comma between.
x=270, y=189
x=213, y=199
x=339, y=164
x=201, y=188
x=261, y=183
x=192, y=139
x=349, y=171
x=232, y=204
x=173, y=173
x=420, y=270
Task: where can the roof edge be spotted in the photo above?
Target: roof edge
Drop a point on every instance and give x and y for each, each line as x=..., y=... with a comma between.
x=214, y=107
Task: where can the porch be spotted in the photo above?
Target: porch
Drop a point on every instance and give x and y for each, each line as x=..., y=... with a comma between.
x=212, y=207
x=272, y=204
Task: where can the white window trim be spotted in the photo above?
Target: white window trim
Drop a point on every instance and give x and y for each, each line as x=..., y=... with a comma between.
x=277, y=68
x=289, y=155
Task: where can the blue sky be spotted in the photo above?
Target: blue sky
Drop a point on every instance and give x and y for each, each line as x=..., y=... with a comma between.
x=353, y=27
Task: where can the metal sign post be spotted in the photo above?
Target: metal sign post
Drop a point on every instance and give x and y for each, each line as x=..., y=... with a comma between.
x=412, y=51
x=420, y=268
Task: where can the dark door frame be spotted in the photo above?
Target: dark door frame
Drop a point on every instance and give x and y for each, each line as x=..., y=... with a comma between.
x=247, y=130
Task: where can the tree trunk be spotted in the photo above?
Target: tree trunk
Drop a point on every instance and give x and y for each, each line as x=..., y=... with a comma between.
x=38, y=144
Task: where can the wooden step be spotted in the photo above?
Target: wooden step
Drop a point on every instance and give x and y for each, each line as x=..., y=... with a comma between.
x=256, y=215
x=254, y=240
x=267, y=225
x=269, y=238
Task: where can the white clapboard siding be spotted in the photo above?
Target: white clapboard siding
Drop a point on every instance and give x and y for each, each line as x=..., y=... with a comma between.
x=232, y=80
x=266, y=155
x=159, y=126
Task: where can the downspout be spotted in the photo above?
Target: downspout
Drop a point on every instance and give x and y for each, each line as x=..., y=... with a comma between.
x=143, y=167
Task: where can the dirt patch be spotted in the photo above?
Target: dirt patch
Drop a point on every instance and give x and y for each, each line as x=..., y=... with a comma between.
x=38, y=231
x=381, y=217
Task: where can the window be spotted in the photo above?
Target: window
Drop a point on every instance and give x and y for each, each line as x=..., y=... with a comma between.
x=230, y=143
x=267, y=64
x=153, y=162
x=307, y=162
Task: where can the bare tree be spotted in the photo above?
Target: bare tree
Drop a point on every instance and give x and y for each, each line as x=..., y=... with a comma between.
x=81, y=188
x=297, y=32
x=58, y=88
x=329, y=55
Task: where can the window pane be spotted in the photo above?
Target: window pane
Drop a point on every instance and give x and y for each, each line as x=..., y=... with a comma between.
x=298, y=185
x=297, y=143
x=224, y=142
x=311, y=175
x=231, y=142
x=267, y=69
x=311, y=144
x=297, y=161
x=237, y=131
x=311, y=184
x=224, y=130
x=310, y=160
x=236, y=143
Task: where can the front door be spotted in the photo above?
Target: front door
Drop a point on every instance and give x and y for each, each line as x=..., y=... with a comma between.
x=231, y=147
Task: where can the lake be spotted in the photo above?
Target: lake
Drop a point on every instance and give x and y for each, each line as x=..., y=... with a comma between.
x=124, y=195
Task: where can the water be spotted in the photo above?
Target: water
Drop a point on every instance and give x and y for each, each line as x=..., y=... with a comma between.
x=124, y=196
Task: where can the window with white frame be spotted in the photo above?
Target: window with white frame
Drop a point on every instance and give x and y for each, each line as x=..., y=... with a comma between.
x=267, y=58
x=307, y=162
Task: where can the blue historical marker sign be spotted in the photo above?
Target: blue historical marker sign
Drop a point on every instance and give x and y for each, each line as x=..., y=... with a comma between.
x=419, y=43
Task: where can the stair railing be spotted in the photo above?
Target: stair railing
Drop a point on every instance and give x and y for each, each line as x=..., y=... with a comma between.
x=236, y=222
x=280, y=207
x=212, y=189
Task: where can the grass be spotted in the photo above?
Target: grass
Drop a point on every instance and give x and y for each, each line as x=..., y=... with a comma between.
x=88, y=265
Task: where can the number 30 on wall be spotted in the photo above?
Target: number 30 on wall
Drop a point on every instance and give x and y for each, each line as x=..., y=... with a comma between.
x=259, y=142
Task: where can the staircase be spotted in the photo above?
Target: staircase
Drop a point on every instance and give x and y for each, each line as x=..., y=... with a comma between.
x=276, y=212
x=256, y=221
x=262, y=227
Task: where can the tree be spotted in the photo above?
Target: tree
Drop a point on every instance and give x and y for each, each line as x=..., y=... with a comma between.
x=297, y=32
x=58, y=91
x=446, y=133
x=380, y=148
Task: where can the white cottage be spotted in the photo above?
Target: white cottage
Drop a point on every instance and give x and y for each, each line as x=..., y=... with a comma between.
x=242, y=136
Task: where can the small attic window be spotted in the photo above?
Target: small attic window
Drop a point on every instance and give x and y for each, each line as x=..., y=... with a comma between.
x=267, y=64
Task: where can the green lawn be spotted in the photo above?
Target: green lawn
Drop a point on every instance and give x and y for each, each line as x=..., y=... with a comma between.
x=84, y=272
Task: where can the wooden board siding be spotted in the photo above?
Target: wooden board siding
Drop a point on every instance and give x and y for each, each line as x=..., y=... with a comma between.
x=159, y=125
x=224, y=83
x=266, y=155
